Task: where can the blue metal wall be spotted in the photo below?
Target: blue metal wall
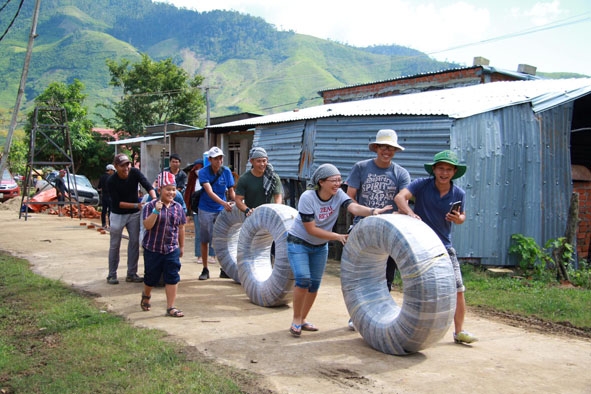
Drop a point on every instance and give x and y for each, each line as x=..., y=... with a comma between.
x=518, y=179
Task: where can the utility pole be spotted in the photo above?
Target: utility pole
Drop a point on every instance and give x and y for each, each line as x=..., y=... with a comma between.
x=207, y=117
x=21, y=89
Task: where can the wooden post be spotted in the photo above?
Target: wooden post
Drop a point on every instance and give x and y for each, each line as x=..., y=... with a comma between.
x=569, y=235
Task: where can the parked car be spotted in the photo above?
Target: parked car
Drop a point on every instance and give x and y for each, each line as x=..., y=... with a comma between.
x=9, y=188
x=87, y=194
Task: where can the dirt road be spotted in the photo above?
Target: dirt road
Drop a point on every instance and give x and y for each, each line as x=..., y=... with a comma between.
x=224, y=325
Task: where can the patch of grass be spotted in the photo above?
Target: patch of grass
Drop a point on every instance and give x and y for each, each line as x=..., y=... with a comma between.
x=54, y=340
x=543, y=299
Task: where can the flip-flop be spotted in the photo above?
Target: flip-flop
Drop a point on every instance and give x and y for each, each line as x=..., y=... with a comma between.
x=309, y=327
x=145, y=303
x=295, y=329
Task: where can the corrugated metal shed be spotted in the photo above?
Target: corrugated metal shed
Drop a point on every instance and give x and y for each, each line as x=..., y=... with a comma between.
x=513, y=136
x=454, y=103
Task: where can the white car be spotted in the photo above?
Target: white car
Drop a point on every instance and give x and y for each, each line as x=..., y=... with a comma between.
x=86, y=193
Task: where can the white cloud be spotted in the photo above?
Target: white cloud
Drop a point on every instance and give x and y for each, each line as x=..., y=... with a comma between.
x=435, y=26
x=544, y=13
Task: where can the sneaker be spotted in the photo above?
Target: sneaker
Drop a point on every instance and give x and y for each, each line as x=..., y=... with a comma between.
x=223, y=275
x=112, y=280
x=464, y=337
x=351, y=325
x=204, y=274
x=135, y=278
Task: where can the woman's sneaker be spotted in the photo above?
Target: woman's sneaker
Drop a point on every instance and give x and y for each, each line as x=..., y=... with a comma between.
x=351, y=325
x=464, y=337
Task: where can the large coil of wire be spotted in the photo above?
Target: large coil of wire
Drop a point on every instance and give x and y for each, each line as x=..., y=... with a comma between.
x=429, y=291
x=225, y=240
x=267, y=281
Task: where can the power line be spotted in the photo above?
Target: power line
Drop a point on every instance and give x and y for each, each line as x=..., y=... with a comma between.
x=13, y=19
x=549, y=26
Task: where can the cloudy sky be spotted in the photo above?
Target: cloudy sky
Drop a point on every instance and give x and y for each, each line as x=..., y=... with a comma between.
x=552, y=35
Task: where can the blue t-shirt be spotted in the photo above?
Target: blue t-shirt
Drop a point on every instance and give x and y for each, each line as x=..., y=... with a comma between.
x=221, y=185
x=325, y=214
x=432, y=207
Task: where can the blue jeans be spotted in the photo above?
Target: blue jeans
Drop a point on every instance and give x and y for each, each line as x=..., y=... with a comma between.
x=307, y=263
x=198, y=238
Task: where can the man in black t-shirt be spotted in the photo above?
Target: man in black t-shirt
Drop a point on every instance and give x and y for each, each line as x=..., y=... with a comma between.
x=126, y=211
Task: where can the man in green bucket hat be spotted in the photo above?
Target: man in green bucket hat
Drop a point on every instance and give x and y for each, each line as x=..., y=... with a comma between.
x=439, y=203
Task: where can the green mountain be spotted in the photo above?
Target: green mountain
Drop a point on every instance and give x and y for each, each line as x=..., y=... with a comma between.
x=248, y=65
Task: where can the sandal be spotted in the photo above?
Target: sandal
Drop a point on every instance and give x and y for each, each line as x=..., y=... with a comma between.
x=174, y=312
x=309, y=327
x=295, y=329
x=144, y=303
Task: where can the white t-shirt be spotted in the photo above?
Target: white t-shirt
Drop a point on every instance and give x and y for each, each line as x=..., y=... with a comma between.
x=325, y=214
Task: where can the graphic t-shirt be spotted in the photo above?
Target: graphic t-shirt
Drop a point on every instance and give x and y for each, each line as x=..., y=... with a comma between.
x=377, y=187
x=325, y=214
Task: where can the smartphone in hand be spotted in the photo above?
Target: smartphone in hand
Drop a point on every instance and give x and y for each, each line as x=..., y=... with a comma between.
x=456, y=206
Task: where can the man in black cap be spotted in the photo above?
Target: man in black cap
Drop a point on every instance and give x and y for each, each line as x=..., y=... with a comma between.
x=125, y=213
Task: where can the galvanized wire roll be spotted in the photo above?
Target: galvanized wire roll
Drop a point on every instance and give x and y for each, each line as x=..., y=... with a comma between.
x=225, y=240
x=266, y=283
x=429, y=291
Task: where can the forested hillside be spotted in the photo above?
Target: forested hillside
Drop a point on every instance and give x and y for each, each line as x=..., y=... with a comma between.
x=248, y=64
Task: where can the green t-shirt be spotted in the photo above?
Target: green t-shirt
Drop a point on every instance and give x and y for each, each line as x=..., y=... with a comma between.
x=251, y=187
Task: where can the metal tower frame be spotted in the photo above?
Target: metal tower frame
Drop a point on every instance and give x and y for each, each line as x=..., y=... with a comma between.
x=43, y=135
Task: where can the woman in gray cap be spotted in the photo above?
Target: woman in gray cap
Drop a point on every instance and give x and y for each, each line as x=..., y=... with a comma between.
x=307, y=240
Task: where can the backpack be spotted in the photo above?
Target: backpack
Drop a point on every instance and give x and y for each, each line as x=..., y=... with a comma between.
x=194, y=201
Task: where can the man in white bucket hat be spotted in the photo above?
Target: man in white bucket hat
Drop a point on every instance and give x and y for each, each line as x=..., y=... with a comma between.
x=375, y=182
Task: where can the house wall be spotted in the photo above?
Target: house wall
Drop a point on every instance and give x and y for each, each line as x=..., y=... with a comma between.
x=415, y=84
x=583, y=188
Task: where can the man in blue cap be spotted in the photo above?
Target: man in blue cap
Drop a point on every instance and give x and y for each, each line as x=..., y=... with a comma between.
x=439, y=203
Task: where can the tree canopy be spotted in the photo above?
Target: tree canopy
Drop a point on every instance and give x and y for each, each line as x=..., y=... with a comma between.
x=153, y=93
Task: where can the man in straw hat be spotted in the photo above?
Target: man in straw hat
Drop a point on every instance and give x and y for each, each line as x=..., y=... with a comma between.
x=439, y=203
x=375, y=182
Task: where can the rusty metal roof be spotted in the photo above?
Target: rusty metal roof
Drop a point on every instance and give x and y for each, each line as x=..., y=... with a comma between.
x=455, y=103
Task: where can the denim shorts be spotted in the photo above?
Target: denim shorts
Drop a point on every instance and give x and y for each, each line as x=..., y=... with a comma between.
x=166, y=265
x=206, y=221
x=307, y=262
